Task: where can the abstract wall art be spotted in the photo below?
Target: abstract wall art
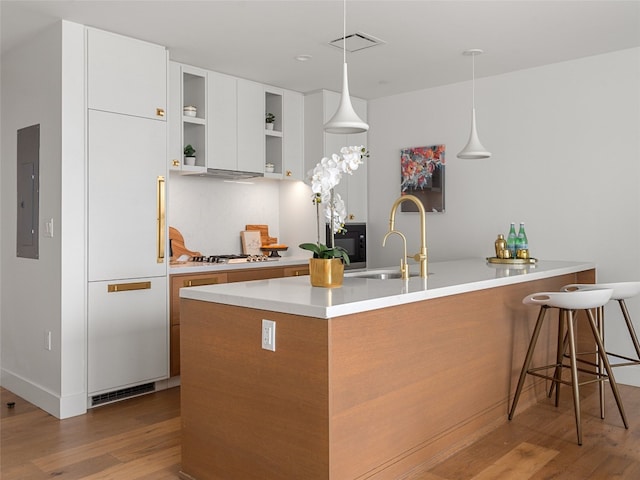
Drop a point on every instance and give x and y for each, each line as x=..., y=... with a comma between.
x=422, y=175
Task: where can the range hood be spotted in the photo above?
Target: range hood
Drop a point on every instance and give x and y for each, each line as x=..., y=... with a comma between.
x=223, y=174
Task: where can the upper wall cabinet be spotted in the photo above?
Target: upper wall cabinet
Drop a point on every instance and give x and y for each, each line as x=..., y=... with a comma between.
x=222, y=133
x=319, y=107
x=226, y=124
x=293, y=141
x=126, y=75
x=284, y=135
x=251, y=152
x=187, y=117
x=235, y=124
x=273, y=127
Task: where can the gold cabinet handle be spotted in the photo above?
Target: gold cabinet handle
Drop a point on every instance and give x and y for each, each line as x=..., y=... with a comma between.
x=175, y=163
x=127, y=287
x=289, y=173
x=160, y=112
x=161, y=218
x=201, y=281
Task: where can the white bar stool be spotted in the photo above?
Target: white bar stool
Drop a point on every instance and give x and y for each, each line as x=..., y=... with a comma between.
x=568, y=303
x=621, y=291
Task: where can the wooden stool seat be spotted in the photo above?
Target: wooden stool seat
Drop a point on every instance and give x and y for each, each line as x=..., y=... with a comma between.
x=567, y=303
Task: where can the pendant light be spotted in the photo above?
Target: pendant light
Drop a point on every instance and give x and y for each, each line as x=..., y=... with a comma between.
x=474, y=149
x=345, y=120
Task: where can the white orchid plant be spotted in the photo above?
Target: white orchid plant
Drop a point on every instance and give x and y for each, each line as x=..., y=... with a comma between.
x=324, y=178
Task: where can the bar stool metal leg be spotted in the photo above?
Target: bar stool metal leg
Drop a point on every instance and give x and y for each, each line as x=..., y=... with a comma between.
x=527, y=360
x=632, y=331
x=561, y=350
x=568, y=314
x=607, y=367
x=600, y=326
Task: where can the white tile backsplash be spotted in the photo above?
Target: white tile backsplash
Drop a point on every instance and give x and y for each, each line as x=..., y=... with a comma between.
x=211, y=213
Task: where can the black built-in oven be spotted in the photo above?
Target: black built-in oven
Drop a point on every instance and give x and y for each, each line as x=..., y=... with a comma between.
x=354, y=241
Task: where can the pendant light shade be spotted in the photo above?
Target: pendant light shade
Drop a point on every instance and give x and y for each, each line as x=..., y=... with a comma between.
x=474, y=149
x=345, y=120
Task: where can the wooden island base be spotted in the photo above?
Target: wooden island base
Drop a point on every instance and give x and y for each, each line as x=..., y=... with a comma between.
x=382, y=394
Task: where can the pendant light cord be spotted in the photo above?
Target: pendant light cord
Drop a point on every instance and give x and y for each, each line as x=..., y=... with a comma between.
x=473, y=80
x=344, y=31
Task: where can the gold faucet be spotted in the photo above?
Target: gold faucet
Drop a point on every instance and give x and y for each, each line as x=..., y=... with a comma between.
x=404, y=268
x=422, y=255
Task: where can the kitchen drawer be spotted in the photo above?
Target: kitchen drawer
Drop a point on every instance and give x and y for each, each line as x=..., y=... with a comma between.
x=296, y=271
x=255, y=274
x=190, y=280
x=127, y=333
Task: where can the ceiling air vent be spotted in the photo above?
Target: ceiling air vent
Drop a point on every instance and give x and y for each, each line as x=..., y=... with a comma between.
x=357, y=41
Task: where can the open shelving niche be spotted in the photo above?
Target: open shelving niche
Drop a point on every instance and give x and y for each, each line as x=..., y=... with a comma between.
x=273, y=138
x=194, y=129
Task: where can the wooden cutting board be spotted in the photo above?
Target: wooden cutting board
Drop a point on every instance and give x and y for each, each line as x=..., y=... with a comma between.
x=178, y=248
x=265, y=239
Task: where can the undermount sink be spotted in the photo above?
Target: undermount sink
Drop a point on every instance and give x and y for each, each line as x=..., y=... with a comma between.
x=383, y=275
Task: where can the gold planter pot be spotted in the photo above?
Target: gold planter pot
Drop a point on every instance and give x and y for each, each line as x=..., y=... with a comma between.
x=326, y=272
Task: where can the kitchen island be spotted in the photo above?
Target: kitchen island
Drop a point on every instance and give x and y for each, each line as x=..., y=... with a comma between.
x=377, y=379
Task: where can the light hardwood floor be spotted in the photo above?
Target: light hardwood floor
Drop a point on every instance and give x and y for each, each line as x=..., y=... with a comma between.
x=139, y=438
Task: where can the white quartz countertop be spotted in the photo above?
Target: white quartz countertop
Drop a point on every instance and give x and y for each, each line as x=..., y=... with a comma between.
x=200, y=267
x=295, y=295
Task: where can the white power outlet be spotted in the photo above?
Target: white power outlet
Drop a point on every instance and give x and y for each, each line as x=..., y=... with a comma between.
x=269, y=335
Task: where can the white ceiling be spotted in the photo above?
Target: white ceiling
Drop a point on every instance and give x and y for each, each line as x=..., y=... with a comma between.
x=424, y=39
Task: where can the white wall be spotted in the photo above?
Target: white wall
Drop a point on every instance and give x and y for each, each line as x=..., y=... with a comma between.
x=41, y=295
x=298, y=218
x=31, y=94
x=566, y=161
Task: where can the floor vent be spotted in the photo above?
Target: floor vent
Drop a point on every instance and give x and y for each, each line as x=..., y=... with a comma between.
x=122, y=394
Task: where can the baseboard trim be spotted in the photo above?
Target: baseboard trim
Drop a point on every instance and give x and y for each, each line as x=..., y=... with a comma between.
x=59, y=406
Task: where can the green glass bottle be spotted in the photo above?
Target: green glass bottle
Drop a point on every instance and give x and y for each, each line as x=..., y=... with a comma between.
x=523, y=242
x=512, y=240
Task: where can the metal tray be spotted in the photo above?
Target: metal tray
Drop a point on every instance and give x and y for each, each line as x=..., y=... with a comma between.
x=512, y=261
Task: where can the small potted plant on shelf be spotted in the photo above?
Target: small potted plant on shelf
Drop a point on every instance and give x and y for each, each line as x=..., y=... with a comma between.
x=270, y=118
x=189, y=155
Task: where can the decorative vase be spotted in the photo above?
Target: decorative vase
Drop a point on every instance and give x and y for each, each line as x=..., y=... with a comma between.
x=190, y=161
x=326, y=272
x=268, y=126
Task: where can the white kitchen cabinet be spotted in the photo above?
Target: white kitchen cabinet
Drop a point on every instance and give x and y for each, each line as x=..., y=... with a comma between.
x=236, y=137
x=194, y=127
x=125, y=165
x=235, y=129
x=222, y=133
x=251, y=153
x=293, y=141
x=273, y=137
x=125, y=75
x=127, y=333
x=174, y=118
x=319, y=107
x=188, y=87
x=127, y=321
